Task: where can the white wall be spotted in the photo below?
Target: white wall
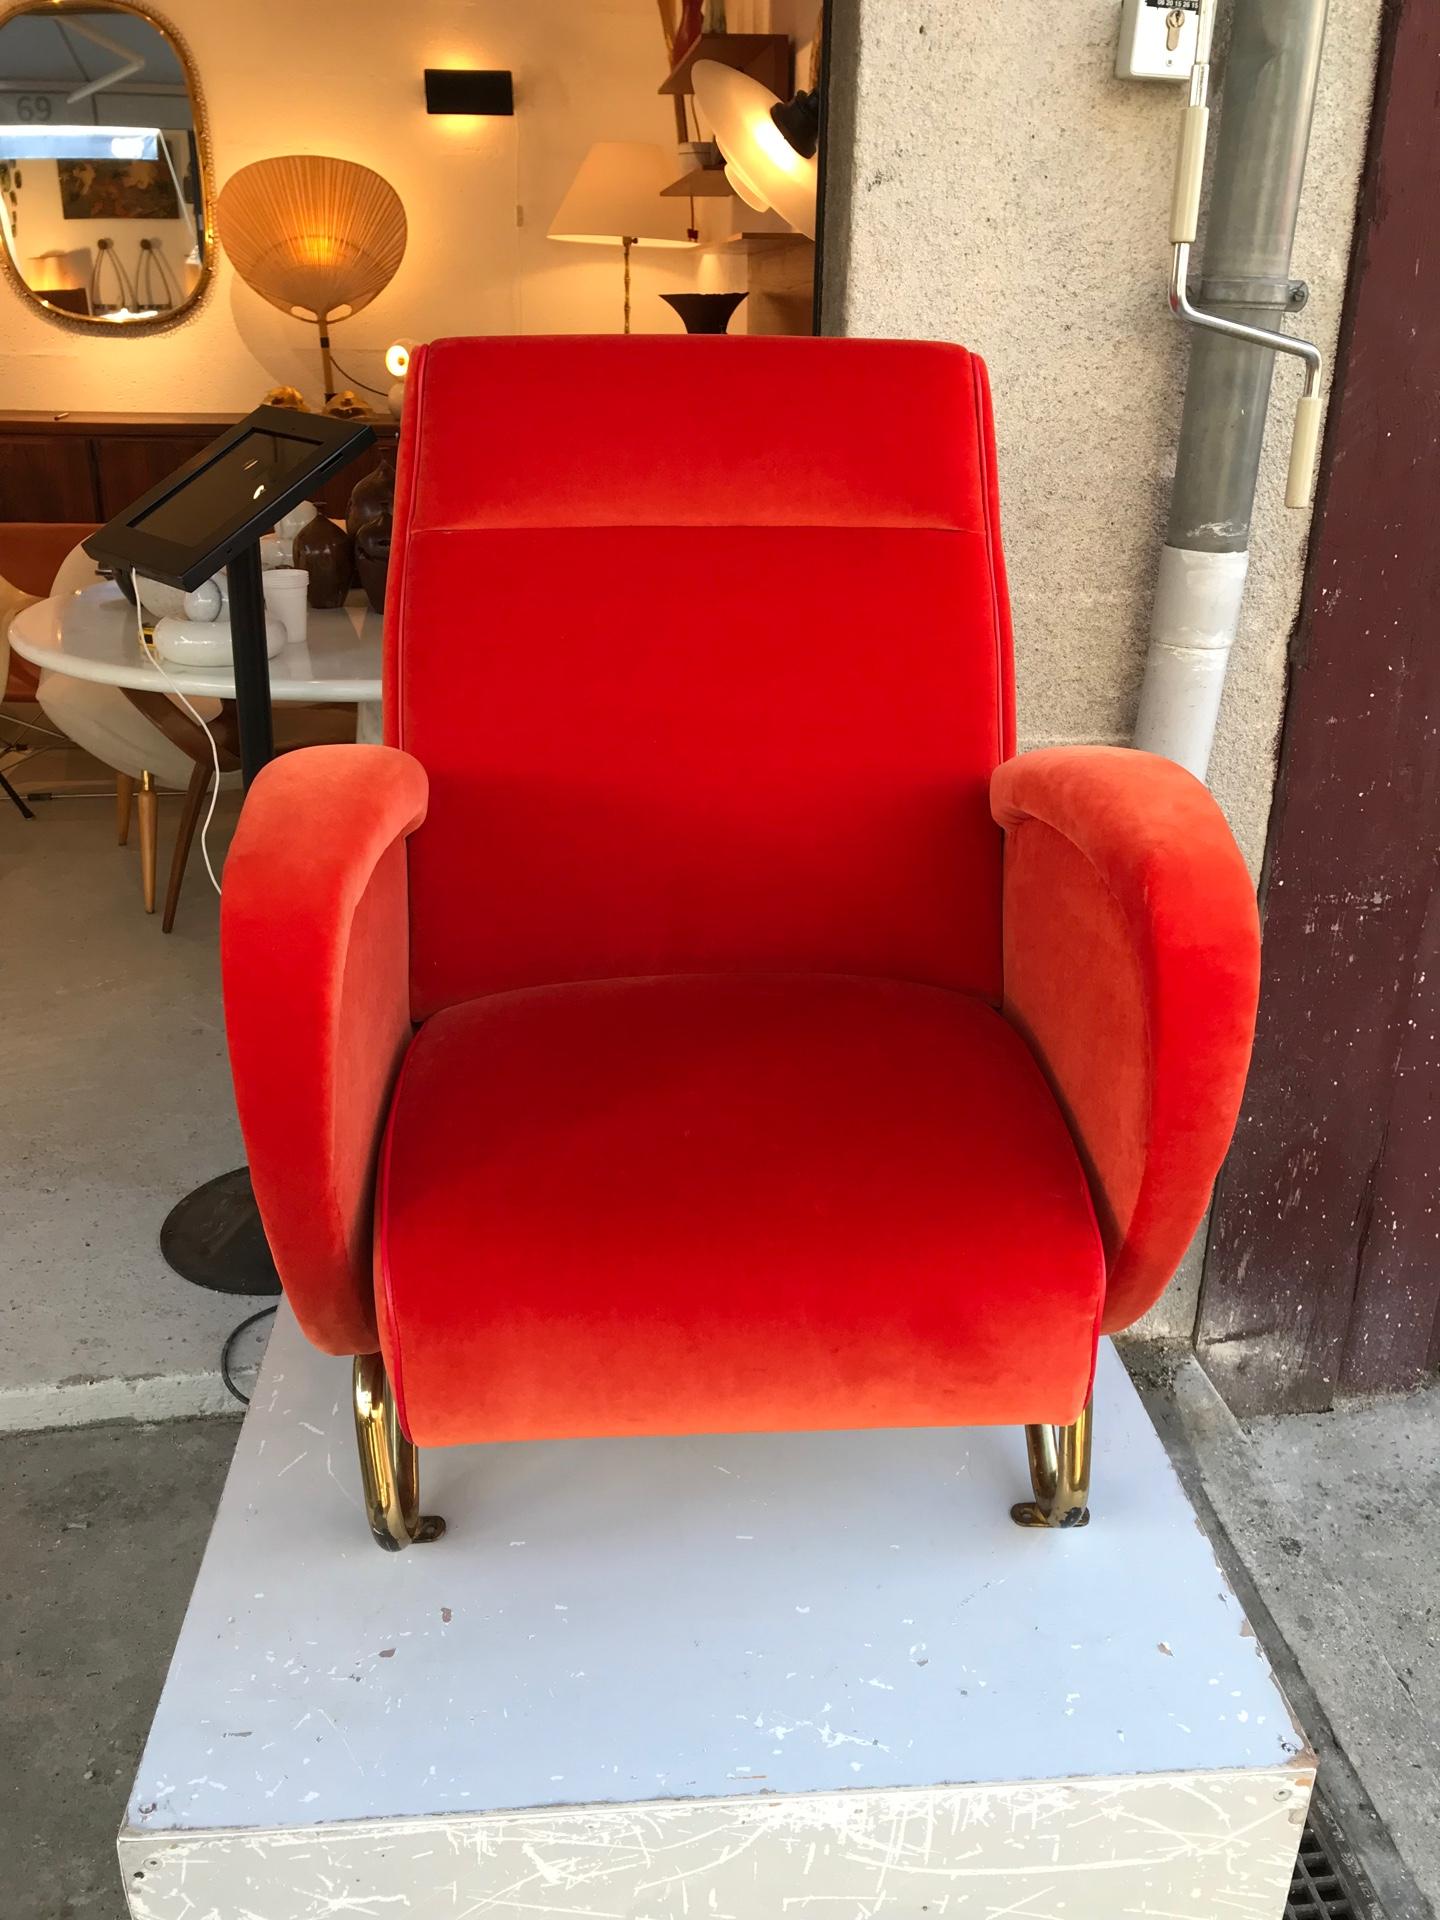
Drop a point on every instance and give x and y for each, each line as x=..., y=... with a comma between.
x=345, y=77
x=993, y=183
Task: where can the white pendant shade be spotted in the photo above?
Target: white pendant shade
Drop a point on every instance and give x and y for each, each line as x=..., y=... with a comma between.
x=744, y=189
x=616, y=196
x=759, y=156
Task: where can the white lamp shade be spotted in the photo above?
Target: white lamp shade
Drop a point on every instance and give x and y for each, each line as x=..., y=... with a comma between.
x=761, y=165
x=616, y=196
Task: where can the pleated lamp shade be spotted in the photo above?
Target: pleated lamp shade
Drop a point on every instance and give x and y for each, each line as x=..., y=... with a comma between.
x=318, y=238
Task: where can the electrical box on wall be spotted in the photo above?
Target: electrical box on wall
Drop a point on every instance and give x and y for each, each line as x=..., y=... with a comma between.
x=1157, y=39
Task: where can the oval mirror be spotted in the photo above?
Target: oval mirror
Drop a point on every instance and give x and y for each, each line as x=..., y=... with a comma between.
x=105, y=190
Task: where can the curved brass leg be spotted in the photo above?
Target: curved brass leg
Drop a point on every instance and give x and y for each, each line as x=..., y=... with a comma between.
x=389, y=1463
x=1060, y=1475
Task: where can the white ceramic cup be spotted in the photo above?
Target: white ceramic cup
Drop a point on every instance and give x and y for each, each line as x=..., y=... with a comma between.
x=285, y=591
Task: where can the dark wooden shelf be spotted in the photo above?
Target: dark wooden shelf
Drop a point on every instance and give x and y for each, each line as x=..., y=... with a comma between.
x=764, y=56
x=81, y=466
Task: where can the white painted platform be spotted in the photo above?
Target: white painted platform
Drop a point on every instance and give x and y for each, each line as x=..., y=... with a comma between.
x=726, y=1675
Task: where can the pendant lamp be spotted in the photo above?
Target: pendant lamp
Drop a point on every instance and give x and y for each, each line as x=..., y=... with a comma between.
x=762, y=165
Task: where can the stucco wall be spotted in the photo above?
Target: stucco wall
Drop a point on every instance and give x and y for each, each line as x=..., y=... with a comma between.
x=993, y=183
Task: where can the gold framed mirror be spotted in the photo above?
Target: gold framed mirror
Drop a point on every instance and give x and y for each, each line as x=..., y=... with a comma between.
x=107, y=195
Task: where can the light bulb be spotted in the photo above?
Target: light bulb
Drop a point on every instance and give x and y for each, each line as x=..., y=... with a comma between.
x=397, y=358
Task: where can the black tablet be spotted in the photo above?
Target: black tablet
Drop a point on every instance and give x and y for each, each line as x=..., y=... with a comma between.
x=234, y=490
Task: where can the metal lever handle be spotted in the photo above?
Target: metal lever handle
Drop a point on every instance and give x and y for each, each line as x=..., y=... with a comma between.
x=1184, y=218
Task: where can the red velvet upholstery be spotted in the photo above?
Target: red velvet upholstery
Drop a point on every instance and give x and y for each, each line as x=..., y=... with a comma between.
x=718, y=1202
x=712, y=1120
x=732, y=690
x=313, y=945
x=1132, y=966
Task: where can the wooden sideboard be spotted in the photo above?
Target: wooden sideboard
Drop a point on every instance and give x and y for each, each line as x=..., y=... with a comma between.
x=89, y=466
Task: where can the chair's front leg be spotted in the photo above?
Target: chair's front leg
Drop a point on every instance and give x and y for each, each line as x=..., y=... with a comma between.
x=389, y=1463
x=1059, y=1473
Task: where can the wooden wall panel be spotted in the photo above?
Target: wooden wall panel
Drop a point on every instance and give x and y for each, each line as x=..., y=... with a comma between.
x=1323, y=1270
x=45, y=479
x=75, y=467
x=130, y=465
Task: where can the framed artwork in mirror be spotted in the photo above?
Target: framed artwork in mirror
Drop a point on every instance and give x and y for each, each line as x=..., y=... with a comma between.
x=106, y=188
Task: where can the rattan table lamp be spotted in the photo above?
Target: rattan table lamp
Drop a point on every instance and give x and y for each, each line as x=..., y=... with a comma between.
x=316, y=237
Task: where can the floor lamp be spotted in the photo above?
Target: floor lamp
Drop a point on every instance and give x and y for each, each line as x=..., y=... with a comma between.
x=318, y=238
x=615, y=201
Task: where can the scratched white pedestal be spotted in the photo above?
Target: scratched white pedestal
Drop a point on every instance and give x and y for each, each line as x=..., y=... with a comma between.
x=754, y=1676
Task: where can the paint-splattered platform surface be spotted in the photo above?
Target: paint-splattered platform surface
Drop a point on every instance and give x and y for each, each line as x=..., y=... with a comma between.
x=632, y=1621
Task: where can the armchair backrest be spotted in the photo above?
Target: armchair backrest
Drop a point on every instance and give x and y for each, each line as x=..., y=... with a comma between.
x=704, y=645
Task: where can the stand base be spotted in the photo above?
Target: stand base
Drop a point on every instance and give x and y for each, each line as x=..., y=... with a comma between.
x=806, y=1676
x=213, y=1238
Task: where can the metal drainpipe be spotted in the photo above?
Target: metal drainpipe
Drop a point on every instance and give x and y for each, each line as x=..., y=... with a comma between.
x=1269, y=100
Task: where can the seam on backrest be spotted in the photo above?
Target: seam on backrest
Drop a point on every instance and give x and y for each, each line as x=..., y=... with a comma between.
x=996, y=624
x=707, y=526
x=404, y=508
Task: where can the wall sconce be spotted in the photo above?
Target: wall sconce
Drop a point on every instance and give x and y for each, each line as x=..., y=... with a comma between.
x=469, y=90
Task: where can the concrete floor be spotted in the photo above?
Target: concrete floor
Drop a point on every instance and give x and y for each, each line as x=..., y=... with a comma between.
x=1329, y=1526
x=117, y=1102
x=105, y=1531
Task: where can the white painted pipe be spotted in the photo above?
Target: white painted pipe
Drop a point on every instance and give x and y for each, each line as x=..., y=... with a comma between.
x=1192, y=629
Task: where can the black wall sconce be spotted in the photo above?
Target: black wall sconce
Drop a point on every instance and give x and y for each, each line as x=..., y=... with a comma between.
x=469, y=90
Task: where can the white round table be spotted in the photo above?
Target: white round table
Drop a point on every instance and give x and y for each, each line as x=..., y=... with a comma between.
x=93, y=636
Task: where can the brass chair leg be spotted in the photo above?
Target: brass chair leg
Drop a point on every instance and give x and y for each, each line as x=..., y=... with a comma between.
x=1059, y=1473
x=389, y=1463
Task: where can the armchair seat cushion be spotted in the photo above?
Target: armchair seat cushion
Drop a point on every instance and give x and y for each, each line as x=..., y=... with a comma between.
x=706, y=1203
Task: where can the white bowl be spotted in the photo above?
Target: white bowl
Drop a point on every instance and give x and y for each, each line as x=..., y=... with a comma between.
x=206, y=643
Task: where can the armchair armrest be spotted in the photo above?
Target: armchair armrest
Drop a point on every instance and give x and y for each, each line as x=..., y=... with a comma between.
x=1132, y=962
x=315, y=953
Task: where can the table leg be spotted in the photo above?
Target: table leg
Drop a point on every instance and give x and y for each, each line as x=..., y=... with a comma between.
x=124, y=801
x=148, y=806
x=369, y=724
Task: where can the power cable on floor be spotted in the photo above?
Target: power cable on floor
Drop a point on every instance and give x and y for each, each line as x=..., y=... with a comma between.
x=229, y=1348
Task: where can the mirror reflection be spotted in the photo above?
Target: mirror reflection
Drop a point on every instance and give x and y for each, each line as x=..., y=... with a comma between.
x=102, y=189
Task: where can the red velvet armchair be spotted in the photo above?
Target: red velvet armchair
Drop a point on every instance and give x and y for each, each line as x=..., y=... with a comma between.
x=696, y=1018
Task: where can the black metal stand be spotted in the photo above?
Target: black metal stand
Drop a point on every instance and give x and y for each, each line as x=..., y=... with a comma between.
x=252, y=662
x=213, y=1237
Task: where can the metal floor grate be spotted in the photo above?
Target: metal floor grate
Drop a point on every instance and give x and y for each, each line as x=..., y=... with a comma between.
x=1317, y=1892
